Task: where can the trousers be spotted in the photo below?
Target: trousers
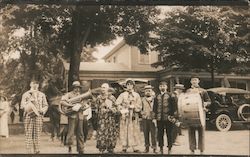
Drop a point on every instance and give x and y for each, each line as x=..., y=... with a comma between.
x=33, y=129
x=76, y=125
x=192, y=137
x=168, y=126
x=149, y=128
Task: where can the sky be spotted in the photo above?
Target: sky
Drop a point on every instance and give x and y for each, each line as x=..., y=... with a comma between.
x=103, y=50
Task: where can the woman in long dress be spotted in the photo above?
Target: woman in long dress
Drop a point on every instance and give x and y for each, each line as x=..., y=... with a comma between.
x=4, y=110
x=107, y=131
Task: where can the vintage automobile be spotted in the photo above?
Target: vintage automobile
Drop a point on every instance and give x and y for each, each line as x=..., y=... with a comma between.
x=228, y=106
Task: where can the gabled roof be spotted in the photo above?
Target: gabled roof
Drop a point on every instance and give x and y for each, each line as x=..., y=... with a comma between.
x=118, y=46
x=95, y=66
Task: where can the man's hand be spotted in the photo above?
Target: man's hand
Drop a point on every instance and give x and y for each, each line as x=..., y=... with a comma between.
x=178, y=124
x=41, y=112
x=131, y=106
x=76, y=107
x=154, y=121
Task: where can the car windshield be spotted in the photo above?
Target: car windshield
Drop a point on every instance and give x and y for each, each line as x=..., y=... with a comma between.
x=239, y=99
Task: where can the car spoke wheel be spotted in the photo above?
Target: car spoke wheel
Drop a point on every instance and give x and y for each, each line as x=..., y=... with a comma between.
x=223, y=122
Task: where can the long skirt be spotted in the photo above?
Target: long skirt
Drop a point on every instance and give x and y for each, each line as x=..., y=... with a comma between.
x=107, y=132
x=129, y=132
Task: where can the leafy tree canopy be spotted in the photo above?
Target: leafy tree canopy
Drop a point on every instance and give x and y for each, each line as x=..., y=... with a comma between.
x=69, y=31
x=204, y=38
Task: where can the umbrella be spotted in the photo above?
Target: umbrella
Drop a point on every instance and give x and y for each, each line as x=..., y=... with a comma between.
x=229, y=90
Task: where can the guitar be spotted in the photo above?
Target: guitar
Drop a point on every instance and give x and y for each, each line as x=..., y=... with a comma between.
x=65, y=107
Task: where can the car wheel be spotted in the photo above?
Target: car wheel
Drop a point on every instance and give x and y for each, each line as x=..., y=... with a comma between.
x=223, y=122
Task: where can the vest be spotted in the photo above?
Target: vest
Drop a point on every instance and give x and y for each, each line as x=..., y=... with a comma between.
x=164, y=106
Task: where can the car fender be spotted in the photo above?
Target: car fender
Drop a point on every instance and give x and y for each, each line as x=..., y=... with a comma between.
x=218, y=112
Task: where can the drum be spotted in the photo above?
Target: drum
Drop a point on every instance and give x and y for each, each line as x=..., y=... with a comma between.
x=191, y=110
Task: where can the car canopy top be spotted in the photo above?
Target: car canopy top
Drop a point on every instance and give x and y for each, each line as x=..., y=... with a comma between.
x=222, y=90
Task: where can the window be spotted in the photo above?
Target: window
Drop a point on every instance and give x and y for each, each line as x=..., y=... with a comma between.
x=144, y=58
x=238, y=84
x=160, y=58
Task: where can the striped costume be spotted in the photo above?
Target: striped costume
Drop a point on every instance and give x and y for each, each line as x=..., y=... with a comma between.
x=32, y=122
x=129, y=126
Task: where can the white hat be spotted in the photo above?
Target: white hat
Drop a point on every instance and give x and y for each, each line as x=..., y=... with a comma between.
x=148, y=87
x=179, y=86
x=76, y=84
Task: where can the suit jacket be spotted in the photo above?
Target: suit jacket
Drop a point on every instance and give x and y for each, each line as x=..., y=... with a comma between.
x=163, y=106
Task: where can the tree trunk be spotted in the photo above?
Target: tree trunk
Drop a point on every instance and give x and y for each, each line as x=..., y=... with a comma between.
x=76, y=49
x=32, y=58
x=212, y=74
x=78, y=41
x=77, y=45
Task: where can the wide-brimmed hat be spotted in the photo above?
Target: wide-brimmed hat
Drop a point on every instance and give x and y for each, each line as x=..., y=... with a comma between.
x=131, y=82
x=148, y=87
x=179, y=86
x=76, y=84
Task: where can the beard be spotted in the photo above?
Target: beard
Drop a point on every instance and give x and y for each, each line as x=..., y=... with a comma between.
x=149, y=98
x=163, y=90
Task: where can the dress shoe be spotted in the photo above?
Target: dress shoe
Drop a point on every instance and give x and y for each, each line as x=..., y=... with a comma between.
x=154, y=151
x=37, y=152
x=70, y=149
x=169, y=151
x=146, y=150
x=124, y=150
x=111, y=151
x=81, y=152
x=176, y=144
x=136, y=151
x=192, y=152
x=161, y=150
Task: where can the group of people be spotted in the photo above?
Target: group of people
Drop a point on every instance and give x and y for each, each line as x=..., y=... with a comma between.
x=117, y=119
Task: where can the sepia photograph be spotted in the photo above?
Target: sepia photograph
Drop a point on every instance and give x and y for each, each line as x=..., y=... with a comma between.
x=124, y=80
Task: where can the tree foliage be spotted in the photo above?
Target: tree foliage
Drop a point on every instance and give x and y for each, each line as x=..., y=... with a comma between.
x=71, y=32
x=203, y=39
